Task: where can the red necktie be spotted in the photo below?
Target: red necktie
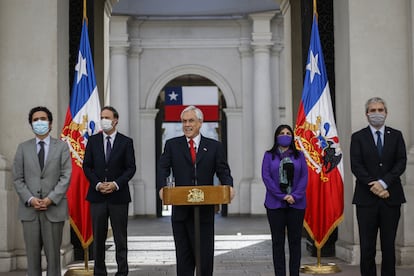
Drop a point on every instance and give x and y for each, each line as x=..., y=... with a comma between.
x=192, y=150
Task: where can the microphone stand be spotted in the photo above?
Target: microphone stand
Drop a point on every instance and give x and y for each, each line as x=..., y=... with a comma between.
x=197, y=225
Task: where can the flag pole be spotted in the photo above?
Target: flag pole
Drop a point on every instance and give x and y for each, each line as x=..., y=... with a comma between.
x=319, y=268
x=79, y=271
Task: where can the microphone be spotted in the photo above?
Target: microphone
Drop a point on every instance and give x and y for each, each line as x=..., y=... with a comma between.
x=287, y=177
x=195, y=168
x=288, y=167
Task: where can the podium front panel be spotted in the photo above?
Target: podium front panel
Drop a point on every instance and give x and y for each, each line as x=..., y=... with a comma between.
x=196, y=195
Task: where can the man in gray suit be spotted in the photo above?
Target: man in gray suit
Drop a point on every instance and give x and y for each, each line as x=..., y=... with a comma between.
x=41, y=172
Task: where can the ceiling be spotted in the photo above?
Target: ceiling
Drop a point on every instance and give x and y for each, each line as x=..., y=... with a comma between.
x=192, y=8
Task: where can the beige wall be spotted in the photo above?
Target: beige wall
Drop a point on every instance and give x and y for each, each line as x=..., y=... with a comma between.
x=373, y=57
x=34, y=53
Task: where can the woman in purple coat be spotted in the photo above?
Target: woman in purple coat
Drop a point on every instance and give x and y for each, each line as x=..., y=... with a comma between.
x=285, y=175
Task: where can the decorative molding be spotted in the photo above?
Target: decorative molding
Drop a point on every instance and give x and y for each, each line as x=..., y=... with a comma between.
x=284, y=6
x=189, y=43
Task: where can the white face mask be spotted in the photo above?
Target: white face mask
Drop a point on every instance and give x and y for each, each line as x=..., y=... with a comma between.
x=376, y=119
x=40, y=127
x=106, y=124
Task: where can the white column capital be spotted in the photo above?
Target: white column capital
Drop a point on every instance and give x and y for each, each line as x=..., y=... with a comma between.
x=245, y=51
x=119, y=50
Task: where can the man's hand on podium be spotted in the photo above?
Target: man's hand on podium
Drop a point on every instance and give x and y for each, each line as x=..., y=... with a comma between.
x=232, y=193
x=161, y=193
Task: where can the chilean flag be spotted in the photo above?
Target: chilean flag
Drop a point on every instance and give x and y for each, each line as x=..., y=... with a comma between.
x=82, y=120
x=317, y=137
x=203, y=97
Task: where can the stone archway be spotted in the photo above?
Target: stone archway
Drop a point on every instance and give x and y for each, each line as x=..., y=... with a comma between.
x=204, y=71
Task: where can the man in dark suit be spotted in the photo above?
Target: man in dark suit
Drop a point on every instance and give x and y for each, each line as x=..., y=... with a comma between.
x=41, y=170
x=378, y=159
x=109, y=164
x=209, y=159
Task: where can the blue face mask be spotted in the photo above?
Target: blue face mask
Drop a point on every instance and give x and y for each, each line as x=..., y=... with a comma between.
x=40, y=127
x=284, y=140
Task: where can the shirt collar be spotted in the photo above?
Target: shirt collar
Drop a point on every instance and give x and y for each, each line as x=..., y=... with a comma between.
x=112, y=135
x=196, y=140
x=46, y=140
x=374, y=130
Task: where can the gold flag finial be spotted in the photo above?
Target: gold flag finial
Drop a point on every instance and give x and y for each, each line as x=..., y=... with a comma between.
x=85, y=17
x=315, y=10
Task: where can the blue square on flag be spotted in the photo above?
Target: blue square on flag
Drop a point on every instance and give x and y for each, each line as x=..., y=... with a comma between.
x=173, y=96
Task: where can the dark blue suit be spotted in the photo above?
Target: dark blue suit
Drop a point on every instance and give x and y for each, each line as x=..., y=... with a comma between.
x=210, y=161
x=120, y=168
x=373, y=212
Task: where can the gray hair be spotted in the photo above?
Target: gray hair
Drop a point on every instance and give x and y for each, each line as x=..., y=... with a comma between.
x=375, y=100
x=198, y=112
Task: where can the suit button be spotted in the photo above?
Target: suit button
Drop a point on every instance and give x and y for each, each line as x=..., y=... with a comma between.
x=380, y=164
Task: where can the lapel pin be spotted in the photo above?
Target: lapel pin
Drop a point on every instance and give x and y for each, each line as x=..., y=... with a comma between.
x=204, y=149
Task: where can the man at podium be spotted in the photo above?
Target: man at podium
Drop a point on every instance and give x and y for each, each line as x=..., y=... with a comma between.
x=194, y=160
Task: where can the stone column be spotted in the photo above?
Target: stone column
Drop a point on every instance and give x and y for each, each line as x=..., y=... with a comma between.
x=134, y=113
x=32, y=74
x=119, y=46
x=8, y=216
x=360, y=44
x=262, y=103
x=235, y=157
x=405, y=239
x=146, y=187
x=243, y=192
x=279, y=100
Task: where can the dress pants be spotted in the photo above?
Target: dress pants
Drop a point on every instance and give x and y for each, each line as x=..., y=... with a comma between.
x=184, y=239
x=286, y=220
x=118, y=215
x=42, y=233
x=372, y=218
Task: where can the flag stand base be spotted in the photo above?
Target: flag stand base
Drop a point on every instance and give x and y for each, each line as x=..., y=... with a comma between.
x=320, y=268
x=79, y=272
x=328, y=268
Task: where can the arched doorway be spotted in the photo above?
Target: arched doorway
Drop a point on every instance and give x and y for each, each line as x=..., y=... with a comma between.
x=166, y=129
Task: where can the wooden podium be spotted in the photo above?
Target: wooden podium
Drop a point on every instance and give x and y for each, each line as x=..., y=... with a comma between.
x=196, y=196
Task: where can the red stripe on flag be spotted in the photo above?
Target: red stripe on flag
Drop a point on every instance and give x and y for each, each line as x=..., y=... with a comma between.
x=173, y=112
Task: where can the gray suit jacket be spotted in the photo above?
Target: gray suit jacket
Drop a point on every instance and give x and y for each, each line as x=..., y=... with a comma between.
x=52, y=182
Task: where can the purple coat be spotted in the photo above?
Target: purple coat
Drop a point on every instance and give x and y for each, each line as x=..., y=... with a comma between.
x=270, y=175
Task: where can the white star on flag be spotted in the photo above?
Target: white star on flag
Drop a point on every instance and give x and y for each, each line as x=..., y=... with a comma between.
x=81, y=67
x=173, y=96
x=312, y=66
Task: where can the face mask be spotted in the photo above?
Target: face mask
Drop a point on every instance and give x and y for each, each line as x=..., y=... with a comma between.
x=106, y=124
x=40, y=127
x=376, y=119
x=284, y=140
